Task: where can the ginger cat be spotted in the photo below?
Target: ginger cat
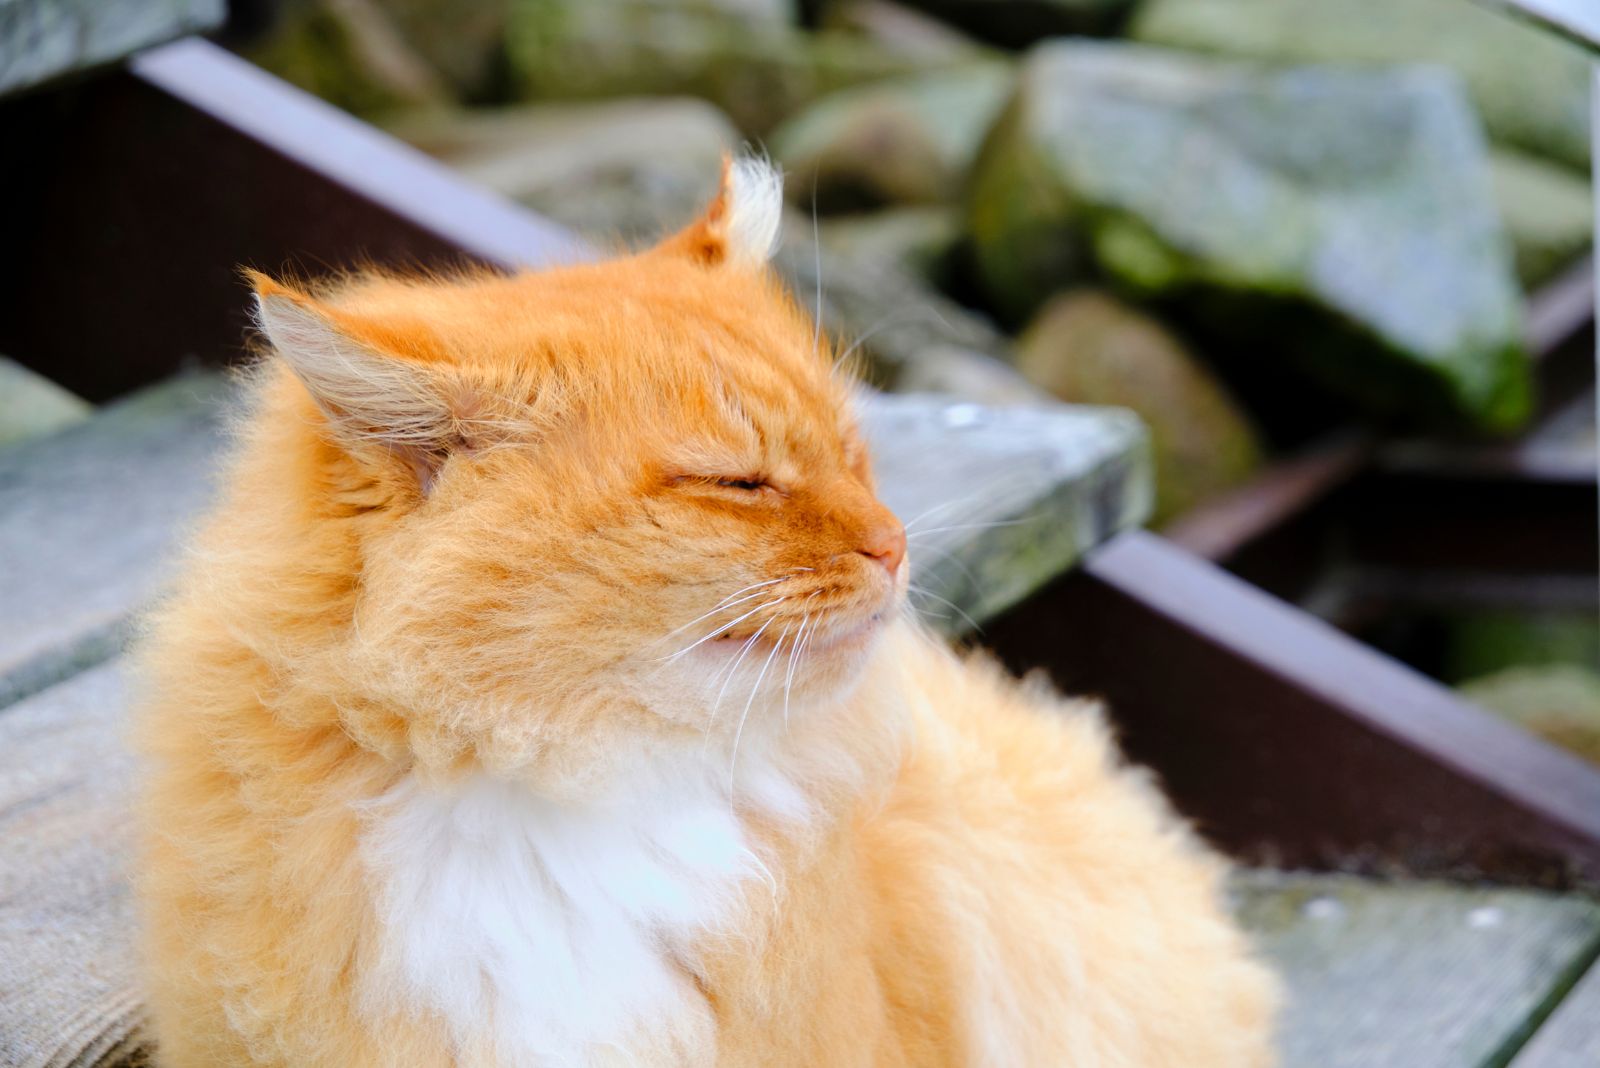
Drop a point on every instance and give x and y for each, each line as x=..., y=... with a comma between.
x=541, y=693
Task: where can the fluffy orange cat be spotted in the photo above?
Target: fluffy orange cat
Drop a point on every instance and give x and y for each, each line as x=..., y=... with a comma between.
x=541, y=694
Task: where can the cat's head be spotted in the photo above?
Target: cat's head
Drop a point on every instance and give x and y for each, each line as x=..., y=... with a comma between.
x=592, y=504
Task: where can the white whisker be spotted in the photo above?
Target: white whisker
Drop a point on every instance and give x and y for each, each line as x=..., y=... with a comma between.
x=720, y=628
x=719, y=608
x=733, y=764
x=918, y=590
x=748, y=645
x=788, y=681
x=968, y=526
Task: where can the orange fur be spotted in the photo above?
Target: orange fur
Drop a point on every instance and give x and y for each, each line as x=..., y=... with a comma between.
x=472, y=530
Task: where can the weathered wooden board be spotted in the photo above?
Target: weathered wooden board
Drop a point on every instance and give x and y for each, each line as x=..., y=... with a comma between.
x=1414, y=974
x=67, y=983
x=997, y=501
x=88, y=515
x=45, y=39
x=32, y=406
x=1571, y=1037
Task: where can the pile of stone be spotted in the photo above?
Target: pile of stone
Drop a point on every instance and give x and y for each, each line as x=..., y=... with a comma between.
x=1244, y=219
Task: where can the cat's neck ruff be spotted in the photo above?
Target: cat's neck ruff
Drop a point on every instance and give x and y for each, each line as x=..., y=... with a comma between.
x=540, y=932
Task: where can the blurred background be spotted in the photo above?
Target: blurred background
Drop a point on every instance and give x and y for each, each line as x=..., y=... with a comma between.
x=1282, y=231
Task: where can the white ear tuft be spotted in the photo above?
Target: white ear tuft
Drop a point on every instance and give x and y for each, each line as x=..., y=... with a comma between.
x=365, y=394
x=754, y=192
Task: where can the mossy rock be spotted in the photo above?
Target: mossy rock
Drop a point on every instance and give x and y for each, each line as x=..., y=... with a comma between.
x=903, y=141
x=916, y=240
x=352, y=55
x=758, y=70
x=617, y=171
x=1558, y=702
x=1548, y=213
x=1340, y=222
x=1530, y=86
x=1087, y=347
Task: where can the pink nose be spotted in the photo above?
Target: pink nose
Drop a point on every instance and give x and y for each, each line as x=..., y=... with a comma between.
x=885, y=542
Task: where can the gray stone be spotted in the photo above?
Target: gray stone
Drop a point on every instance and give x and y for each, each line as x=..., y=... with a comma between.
x=625, y=170
x=915, y=240
x=969, y=376
x=997, y=502
x=1088, y=348
x=88, y=519
x=1548, y=214
x=757, y=70
x=463, y=42
x=903, y=141
x=1339, y=220
x=1558, y=702
x=902, y=29
x=1531, y=87
x=1412, y=974
x=32, y=406
x=878, y=310
x=45, y=39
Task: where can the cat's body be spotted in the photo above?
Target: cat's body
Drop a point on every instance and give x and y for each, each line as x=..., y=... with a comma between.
x=495, y=726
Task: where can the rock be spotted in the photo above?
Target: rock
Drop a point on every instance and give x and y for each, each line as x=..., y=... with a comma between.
x=1340, y=222
x=463, y=42
x=878, y=310
x=915, y=240
x=1558, y=702
x=349, y=53
x=45, y=39
x=1548, y=214
x=32, y=406
x=626, y=170
x=1531, y=87
x=905, y=141
x=971, y=376
x=1019, y=23
x=901, y=29
x=757, y=70
x=1086, y=347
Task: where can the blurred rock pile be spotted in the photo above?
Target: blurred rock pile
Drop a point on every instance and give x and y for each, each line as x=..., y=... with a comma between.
x=1245, y=219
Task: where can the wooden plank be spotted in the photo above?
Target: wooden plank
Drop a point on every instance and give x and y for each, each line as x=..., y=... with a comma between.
x=87, y=517
x=1571, y=1037
x=1414, y=975
x=68, y=992
x=32, y=406
x=999, y=501
x=45, y=39
x=1292, y=743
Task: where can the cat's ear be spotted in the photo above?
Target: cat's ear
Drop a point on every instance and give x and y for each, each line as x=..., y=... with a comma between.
x=369, y=396
x=741, y=225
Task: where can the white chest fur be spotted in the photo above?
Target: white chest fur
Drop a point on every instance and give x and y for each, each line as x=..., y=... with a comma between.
x=543, y=934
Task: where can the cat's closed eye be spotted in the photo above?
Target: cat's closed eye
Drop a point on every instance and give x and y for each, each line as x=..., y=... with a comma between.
x=744, y=483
